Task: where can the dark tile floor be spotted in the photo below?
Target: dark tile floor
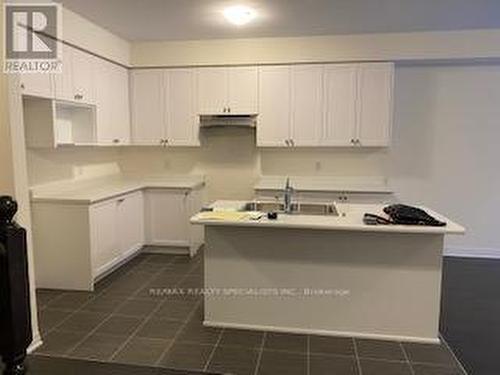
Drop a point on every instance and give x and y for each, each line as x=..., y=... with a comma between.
x=470, y=319
x=124, y=322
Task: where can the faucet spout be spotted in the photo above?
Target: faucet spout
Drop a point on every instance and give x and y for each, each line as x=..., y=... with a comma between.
x=288, y=197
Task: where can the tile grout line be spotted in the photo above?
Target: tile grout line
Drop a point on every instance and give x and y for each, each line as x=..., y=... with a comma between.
x=212, y=353
x=261, y=352
x=358, y=362
x=308, y=354
x=182, y=326
x=147, y=318
x=127, y=299
x=448, y=347
x=412, y=370
x=80, y=309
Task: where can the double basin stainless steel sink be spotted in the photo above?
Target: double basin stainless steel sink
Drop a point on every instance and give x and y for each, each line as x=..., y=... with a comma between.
x=298, y=208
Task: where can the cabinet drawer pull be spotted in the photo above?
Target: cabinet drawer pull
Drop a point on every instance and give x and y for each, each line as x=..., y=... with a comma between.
x=116, y=141
x=78, y=97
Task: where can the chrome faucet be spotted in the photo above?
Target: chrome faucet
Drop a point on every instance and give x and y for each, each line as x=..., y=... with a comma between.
x=288, y=197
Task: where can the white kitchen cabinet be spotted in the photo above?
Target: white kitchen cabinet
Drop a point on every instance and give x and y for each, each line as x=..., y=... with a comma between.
x=375, y=104
x=76, y=81
x=113, y=121
x=38, y=84
x=212, y=91
x=49, y=123
x=164, y=108
x=147, y=107
x=167, y=218
x=104, y=235
x=77, y=244
x=325, y=105
x=273, y=127
x=181, y=126
x=227, y=91
x=116, y=230
x=131, y=223
x=307, y=105
x=340, y=98
x=242, y=87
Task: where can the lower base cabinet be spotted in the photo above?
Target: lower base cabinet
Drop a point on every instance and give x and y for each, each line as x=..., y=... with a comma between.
x=77, y=244
x=117, y=231
x=167, y=218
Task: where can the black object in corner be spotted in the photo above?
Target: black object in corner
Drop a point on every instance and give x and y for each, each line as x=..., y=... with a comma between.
x=15, y=313
x=408, y=215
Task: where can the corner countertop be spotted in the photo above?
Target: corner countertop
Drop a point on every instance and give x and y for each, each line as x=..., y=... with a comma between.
x=89, y=191
x=378, y=185
x=352, y=221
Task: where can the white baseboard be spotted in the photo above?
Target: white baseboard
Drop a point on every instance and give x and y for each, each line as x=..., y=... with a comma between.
x=464, y=252
x=35, y=344
x=175, y=250
x=306, y=331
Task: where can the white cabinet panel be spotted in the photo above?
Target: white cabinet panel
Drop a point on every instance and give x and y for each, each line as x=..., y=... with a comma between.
x=120, y=104
x=64, y=79
x=38, y=84
x=307, y=105
x=273, y=127
x=147, y=107
x=76, y=80
x=182, y=127
x=83, y=76
x=131, y=223
x=167, y=220
x=104, y=95
x=375, y=104
x=242, y=90
x=340, y=83
x=212, y=90
x=104, y=235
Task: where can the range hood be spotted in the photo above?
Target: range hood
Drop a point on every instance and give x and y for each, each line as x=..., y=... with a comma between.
x=211, y=121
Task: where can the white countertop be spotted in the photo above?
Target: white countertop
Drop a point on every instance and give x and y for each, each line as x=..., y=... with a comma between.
x=352, y=221
x=88, y=191
x=327, y=184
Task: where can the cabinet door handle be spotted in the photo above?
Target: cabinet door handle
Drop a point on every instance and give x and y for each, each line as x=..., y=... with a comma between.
x=292, y=143
x=78, y=97
x=229, y=109
x=286, y=142
x=116, y=140
x=22, y=86
x=166, y=141
x=353, y=141
x=120, y=201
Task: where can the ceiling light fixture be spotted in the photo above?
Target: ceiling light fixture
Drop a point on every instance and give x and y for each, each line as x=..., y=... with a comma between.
x=239, y=14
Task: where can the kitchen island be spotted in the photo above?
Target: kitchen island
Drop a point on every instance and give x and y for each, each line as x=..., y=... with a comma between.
x=324, y=274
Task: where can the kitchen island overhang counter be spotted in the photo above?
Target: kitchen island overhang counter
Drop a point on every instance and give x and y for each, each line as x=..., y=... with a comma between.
x=325, y=275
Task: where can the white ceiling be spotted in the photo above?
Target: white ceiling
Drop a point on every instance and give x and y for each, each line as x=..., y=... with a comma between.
x=139, y=20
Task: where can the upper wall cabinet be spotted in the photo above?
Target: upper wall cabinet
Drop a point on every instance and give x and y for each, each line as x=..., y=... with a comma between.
x=273, y=127
x=375, y=104
x=76, y=82
x=181, y=120
x=112, y=104
x=340, y=98
x=307, y=105
x=147, y=107
x=163, y=107
x=326, y=105
x=227, y=91
x=38, y=84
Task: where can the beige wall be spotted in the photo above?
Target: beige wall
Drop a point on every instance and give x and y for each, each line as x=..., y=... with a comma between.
x=392, y=47
x=6, y=172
